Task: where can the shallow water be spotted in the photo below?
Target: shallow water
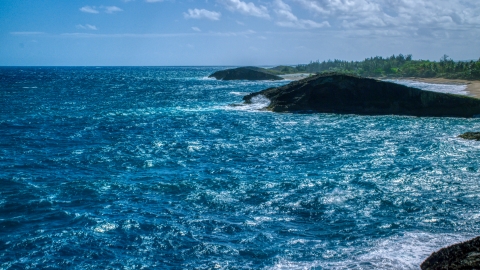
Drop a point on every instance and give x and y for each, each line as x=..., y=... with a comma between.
x=150, y=167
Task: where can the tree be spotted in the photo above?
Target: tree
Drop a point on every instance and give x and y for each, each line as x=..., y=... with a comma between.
x=444, y=58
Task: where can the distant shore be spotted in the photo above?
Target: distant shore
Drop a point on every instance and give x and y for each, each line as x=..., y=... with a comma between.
x=473, y=87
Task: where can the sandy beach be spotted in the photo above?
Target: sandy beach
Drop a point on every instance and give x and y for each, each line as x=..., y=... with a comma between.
x=473, y=87
x=296, y=76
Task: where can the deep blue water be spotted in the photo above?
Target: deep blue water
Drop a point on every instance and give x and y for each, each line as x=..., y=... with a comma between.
x=151, y=168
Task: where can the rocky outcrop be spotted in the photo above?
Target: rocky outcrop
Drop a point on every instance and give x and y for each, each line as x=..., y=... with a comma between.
x=470, y=136
x=245, y=73
x=465, y=255
x=339, y=93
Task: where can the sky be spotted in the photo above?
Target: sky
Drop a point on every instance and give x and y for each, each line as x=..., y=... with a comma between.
x=233, y=32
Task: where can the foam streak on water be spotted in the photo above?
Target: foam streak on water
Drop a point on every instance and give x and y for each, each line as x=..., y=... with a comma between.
x=153, y=168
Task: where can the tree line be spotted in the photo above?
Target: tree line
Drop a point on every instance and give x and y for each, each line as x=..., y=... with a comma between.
x=393, y=66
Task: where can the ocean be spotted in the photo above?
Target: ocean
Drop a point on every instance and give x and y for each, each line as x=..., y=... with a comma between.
x=154, y=168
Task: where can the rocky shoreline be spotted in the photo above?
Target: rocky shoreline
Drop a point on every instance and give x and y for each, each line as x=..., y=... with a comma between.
x=465, y=255
x=346, y=94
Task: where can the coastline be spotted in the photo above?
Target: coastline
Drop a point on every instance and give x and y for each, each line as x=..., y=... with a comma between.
x=473, y=87
x=333, y=92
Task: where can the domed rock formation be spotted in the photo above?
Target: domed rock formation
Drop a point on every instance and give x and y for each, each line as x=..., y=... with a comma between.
x=245, y=73
x=340, y=93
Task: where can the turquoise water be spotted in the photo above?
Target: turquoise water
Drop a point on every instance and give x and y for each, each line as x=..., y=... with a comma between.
x=152, y=167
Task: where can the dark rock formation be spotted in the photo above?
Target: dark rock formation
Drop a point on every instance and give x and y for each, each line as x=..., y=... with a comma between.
x=465, y=255
x=245, y=73
x=470, y=136
x=339, y=93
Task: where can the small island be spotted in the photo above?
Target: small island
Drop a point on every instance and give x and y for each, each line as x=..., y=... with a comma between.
x=347, y=94
x=245, y=73
x=445, y=71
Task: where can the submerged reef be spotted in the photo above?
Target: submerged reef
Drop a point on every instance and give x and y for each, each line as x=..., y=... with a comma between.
x=346, y=94
x=245, y=73
x=464, y=255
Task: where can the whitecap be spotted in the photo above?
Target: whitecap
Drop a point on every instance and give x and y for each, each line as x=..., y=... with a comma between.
x=415, y=247
x=258, y=103
x=397, y=252
x=105, y=227
x=77, y=152
x=239, y=93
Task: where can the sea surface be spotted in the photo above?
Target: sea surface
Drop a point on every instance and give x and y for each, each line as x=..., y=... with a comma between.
x=154, y=168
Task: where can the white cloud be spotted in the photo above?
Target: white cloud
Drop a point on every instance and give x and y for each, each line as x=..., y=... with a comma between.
x=89, y=9
x=196, y=29
x=245, y=8
x=329, y=7
x=95, y=10
x=86, y=27
x=202, y=14
x=408, y=17
x=112, y=9
x=155, y=35
x=26, y=33
x=303, y=24
x=233, y=34
x=313, y=6
x=288, y=19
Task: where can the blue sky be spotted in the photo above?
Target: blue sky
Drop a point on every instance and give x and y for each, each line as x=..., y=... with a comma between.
x=233, y=32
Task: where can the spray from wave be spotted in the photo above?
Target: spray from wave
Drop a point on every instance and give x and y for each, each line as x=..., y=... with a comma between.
x=257, y=103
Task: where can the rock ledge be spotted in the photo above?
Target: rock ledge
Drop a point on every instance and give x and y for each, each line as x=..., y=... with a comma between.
x=464, y=255
x=340, y=93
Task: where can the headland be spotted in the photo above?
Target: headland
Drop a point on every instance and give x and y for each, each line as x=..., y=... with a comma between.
x=347, y=94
